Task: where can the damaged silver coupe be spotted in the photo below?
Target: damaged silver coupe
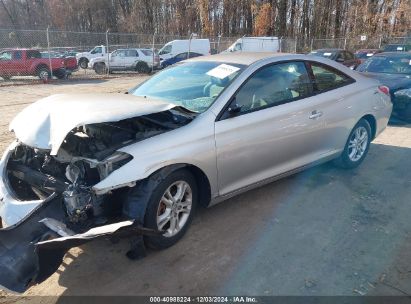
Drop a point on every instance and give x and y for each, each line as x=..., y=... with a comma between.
x=137, y=165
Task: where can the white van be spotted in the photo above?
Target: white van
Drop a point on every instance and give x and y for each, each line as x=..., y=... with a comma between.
x=255, y=44
x=175, y=47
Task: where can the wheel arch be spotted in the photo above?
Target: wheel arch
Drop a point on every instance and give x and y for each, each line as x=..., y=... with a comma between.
x=203, y=183
x=83, y=58
x=373, y=124
x=140, y=65
x=40, y=66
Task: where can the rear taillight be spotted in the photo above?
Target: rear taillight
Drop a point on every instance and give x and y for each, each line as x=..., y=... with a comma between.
x=384, y=89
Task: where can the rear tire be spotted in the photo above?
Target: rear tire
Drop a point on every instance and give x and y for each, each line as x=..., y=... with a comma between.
x=60, y=74
x=100, y=68
x=142, y=67
x=356, y=147
x=83, y=63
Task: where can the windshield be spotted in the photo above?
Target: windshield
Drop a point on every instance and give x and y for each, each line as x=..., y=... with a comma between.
x=364, y=55
x=166, y=49
x=193, y=85
x=325, y=54
x=384, y=64
x=396, y=48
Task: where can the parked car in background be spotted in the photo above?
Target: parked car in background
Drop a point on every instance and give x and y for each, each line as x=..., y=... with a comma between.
x=342, y=56
x=70, y=61
x=172, y=48
x=394, y=71
x=71, y=53
x=140, y=60
x=27, y=62
x=255, y=44
x=90, y=165
x=364, y=54
x=397, y=48
x=84, y=57
x=178, y=58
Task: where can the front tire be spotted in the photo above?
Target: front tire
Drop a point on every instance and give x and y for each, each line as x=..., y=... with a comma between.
x=171, y=208
x=356, y=147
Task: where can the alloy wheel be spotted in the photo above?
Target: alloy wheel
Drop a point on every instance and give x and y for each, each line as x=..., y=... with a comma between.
x=174, y=208
x=358, y=144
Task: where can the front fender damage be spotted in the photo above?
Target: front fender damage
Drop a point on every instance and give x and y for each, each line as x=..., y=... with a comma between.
x=68, y=212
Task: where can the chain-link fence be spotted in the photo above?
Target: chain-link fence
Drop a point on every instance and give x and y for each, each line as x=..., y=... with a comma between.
x=86, y=54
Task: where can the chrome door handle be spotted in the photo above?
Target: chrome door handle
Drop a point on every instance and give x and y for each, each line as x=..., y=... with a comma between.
x=315, y=114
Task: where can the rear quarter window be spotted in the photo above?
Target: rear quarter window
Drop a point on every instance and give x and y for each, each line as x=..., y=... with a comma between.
x=147, y=52
x=33, y=54
x=327, y=78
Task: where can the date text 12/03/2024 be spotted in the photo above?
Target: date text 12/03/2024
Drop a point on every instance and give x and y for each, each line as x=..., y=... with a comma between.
x=205, y=299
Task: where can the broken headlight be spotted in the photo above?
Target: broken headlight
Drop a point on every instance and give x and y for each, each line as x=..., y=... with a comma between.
x=113, y=162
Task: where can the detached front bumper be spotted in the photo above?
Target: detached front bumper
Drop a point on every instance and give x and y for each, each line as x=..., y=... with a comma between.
x=30, y=251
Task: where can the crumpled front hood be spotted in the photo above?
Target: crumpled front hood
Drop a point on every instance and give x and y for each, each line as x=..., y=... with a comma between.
x=45, y=123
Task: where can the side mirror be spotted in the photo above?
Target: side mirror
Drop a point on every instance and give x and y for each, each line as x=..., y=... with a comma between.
x=340, y=59
x=234, y=108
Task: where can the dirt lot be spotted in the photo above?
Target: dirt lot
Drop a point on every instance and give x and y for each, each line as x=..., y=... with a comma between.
x=322, y=232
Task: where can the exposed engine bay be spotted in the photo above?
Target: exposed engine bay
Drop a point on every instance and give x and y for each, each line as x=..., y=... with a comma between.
x=70, y=213
x=87, y=156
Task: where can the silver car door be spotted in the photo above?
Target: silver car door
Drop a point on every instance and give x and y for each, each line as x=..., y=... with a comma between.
x=130, y=58
x=335, y=99
x=272, y=127
x=117, y=59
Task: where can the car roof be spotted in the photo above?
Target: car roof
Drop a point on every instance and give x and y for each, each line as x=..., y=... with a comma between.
x=395, y=54
x=245, y=58
x=330, y=49
x=19, y=49
x=366, y=50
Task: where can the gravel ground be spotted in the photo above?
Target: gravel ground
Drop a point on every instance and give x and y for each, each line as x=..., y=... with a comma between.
x=325, y=231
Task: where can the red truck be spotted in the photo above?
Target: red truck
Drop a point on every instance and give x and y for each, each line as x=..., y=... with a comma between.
x=27, y=62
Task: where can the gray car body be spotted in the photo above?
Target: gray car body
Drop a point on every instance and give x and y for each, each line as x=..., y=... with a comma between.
x=229, y=155
x=233, y=154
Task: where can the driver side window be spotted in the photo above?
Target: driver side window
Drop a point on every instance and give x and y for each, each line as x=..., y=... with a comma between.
x=97, y=50
x=274, y=85
x=166, y=50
